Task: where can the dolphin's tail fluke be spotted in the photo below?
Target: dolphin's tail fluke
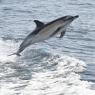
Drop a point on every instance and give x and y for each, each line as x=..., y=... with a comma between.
x=15, y=54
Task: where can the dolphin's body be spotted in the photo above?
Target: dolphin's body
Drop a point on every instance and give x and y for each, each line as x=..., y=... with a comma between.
x=46, y=31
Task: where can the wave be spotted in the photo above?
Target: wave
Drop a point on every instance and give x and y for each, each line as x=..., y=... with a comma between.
x=7, y=47
x=40, y=72
x=63, y=80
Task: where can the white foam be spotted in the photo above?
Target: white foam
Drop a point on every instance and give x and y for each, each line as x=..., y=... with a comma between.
x=5, y=89
x=6, y=48
x=63, y=81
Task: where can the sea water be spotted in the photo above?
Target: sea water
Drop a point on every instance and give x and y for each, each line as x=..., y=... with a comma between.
x=54, y=67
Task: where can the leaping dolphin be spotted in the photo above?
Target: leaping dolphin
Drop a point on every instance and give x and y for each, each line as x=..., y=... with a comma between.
x=46, y=31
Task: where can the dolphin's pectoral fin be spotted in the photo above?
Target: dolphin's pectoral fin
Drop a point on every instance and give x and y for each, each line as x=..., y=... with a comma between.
x=38, y=23
x=62, y=34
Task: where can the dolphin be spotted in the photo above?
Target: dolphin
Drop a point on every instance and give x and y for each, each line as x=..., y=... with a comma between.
x=45, y=31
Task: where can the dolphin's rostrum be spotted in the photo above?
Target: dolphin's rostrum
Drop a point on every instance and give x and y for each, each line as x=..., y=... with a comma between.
x=46, y=31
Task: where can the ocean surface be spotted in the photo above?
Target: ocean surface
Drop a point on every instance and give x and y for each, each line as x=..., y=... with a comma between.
x=55, y=67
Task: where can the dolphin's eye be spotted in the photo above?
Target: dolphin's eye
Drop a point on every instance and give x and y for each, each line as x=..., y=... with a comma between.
x=67, y=18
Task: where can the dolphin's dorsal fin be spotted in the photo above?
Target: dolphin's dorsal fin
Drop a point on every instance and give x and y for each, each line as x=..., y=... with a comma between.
x=38, y=23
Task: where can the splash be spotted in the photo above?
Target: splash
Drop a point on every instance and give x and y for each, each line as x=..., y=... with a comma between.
x=64, y=80
x=7, y=47
x=53, y=74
